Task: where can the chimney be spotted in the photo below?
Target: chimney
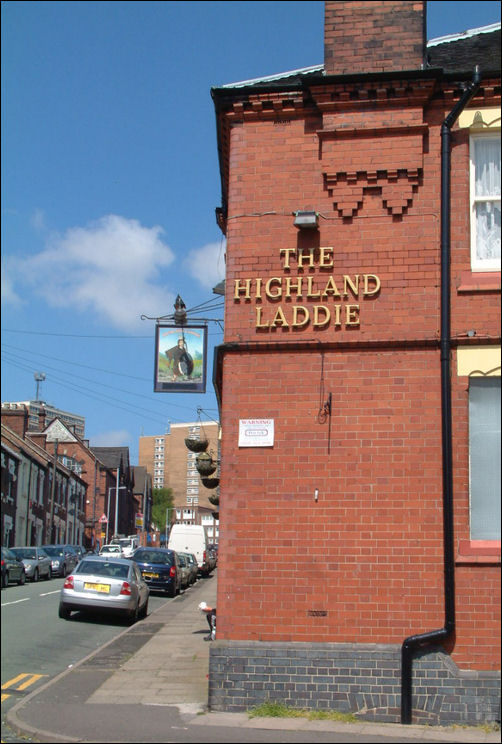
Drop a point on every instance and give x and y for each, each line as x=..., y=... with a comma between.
x=16, y=418
x=363, y=37
x=41, y=419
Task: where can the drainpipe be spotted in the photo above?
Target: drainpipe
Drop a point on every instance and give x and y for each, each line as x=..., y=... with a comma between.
x=435, y=637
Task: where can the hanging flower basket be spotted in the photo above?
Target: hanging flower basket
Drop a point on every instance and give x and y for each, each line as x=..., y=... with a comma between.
x=196, y=445
x=214, y=500
x=210, y=482
x=204, y=464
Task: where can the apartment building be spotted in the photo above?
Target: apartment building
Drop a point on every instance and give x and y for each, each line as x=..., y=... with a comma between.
x=172, y=465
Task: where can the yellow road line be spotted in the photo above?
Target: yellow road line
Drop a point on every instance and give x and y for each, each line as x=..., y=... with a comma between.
x=29, y=679
x=33, y=678
x=13, y=681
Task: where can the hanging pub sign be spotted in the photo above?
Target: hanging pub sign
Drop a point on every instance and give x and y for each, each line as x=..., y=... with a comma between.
x=180, y=359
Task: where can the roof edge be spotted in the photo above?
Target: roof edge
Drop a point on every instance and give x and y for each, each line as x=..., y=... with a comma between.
x=464, y=34
x=320, y=68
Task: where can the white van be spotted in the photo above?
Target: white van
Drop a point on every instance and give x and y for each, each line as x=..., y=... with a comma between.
x=191, y=538
x=127, y=544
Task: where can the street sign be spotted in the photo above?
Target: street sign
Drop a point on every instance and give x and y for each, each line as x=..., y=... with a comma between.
x=103, y=519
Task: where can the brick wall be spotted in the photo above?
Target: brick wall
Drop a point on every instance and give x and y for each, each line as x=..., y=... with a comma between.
x=364, y=562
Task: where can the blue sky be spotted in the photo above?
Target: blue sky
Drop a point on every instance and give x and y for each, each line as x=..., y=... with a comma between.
x=110, y=179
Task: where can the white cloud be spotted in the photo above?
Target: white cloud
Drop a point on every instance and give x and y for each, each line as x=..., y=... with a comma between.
x=117, y=438
x=207, y=264
x=9, y=296
x=38, y=220
x=111, y=268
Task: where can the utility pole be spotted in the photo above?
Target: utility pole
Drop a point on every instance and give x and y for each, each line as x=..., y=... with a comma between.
x=53, y=490
x=143, y=511
x=117, y=504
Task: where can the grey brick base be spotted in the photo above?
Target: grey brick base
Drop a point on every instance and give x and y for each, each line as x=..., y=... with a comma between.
x=363, y=679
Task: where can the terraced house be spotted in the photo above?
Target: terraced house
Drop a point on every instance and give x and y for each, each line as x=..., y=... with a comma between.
x=359, y=378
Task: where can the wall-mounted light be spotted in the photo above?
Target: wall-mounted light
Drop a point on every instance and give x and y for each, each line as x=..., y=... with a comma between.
x=306, y=220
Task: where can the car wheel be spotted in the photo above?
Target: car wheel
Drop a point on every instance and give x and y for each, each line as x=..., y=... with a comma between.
x=63, y=611
x=144, y=609
x=35, y=575
x=63, y=571
x=134, y=615
x=5, y=580
x=172, y=590
x=48, y=575
x=22, y=579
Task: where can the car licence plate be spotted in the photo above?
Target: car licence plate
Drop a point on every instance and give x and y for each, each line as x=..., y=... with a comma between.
x=148, y=575
x=105, y=588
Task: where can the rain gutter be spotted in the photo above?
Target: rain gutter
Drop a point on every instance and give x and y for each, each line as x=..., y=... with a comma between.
x=435, y=637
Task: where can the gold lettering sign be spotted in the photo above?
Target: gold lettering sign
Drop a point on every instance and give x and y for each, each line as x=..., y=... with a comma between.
x=333, y=301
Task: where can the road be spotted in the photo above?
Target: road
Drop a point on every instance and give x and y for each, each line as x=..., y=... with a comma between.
x=37, y=645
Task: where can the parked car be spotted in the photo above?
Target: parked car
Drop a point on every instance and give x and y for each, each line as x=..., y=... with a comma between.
x=12, y=568
x=63, y=559
x=110, y=551
x=37, y=563
x=160, y=568
x=192, y=567
x=213, y=556
x=185, y=571
x=101, y=584
x=80, y=551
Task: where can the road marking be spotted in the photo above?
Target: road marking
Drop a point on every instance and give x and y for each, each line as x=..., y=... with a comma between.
x=46, y=594
x=15, y=602
x=29, y=679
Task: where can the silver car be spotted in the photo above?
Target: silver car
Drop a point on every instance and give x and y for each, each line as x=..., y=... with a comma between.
x=193, y=568
x=63, y=559
x=37, y=563
x=100, y=584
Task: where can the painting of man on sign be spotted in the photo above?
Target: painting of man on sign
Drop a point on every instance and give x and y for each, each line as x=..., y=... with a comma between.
x=182, y=362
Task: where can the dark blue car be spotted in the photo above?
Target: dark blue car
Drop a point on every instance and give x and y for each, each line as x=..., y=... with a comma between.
x=160, y=569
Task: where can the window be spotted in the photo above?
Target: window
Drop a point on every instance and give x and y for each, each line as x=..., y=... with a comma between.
x=485, y=202
x=484, y=456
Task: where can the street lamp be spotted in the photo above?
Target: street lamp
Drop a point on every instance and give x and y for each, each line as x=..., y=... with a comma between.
x=116, y=489
x=168, y=509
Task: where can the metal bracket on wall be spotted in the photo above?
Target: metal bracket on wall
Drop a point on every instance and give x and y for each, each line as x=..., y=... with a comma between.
x=324, y=415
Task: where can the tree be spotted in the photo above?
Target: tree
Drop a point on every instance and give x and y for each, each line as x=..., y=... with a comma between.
x=162, y=500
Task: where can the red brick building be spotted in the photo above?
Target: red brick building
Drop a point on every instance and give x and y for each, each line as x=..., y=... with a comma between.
x=359, y=562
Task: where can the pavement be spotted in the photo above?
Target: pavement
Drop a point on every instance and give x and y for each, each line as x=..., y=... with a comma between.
x=150, y=684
